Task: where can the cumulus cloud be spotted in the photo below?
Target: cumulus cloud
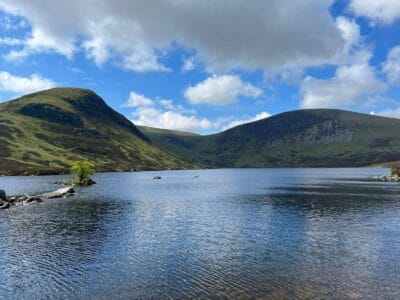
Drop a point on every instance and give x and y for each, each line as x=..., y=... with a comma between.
x=153, y=117
x=136, y=100
x=136, y=34
x=391, y=67
x=23, y=85
x=350, y=32
x=260, y=116
x=349, y=86
x=163, y=113
x=221, y=90
x=382, y=11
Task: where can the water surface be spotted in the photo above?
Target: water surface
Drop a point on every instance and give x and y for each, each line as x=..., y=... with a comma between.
x=275, y=233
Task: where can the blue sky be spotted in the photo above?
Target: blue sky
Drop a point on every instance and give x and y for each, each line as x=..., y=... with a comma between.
x=205, y=66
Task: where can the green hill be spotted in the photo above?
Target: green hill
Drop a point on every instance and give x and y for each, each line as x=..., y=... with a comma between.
x=304, y=138
x=46, y=131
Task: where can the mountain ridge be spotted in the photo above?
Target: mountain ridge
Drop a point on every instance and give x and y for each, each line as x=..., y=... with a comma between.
x=44, y=132
x=301, y=138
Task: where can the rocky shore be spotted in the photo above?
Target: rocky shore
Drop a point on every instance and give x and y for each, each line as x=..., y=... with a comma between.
x=7, y=202
x=388, y=178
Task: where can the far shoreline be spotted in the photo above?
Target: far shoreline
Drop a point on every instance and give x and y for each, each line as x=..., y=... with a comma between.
x=65, y=173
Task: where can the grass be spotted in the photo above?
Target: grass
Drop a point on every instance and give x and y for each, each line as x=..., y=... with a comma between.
x=70, y=124
x=305, y=138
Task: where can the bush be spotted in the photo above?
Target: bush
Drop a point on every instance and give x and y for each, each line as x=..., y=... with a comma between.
x=395, y=170
x=82, y=170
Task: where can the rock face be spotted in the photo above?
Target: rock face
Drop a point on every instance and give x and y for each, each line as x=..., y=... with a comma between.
x=27, y=199
x=327, y=132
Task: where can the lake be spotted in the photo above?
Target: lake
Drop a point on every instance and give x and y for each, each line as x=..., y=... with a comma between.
x=229, y=233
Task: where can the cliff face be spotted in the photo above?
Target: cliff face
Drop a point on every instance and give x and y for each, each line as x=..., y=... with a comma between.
x=327, y=132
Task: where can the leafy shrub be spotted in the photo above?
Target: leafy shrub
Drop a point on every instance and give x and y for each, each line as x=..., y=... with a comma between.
x=82, y=170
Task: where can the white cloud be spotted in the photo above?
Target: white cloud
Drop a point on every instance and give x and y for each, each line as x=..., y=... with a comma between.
x=258, y=117
x=153, y=117
x=392, y=66
x=221, y=90
x=8, y=41
x=136, y=34
x=188, y=65
x=383, y=11
x=136, y=100
x=350, y=85
x=350, y=32
x=23, y=85
x=391, y=113
x=163, y=113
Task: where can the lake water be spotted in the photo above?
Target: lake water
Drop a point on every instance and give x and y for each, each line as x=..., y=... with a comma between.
x=274, y=233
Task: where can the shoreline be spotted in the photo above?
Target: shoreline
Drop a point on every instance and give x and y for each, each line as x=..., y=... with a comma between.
x=67, y=172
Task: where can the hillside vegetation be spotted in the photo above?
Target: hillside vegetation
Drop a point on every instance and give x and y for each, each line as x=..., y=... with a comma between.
x=46, y=132
x=304, y=138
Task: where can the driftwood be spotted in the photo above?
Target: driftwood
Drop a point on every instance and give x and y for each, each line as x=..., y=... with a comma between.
x=27, y=199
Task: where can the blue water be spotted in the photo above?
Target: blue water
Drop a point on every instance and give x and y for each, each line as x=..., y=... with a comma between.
x=274, y=233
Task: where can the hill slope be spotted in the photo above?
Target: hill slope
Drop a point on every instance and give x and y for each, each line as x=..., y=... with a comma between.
x=304, y=138
x=46, y=131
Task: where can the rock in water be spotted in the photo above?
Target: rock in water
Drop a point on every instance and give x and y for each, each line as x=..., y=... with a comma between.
x=3, y=195
x=4, y=204
x=157, y=177
x=69, y=190
x=27, y=199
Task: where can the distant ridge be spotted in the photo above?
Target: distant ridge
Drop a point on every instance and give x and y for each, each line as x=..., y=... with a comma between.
x=302, y=138
x=44, y=132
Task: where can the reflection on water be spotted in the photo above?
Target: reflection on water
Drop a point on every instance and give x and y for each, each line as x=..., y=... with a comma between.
x=303, y=233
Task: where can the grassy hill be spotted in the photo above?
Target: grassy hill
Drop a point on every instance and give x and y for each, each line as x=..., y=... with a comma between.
x=304, y=138
x=46, y=131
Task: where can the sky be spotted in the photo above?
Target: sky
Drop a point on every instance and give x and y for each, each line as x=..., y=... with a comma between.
x=206, y=66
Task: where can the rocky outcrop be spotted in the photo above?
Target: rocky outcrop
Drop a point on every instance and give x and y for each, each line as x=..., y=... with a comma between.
x=388, y=178
x=28, y=199
x=328, y=132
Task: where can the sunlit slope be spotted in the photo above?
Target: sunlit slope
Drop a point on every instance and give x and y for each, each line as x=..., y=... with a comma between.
x=46, y=131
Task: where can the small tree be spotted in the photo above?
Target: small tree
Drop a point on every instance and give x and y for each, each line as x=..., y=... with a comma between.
x=395, y=170
x=82, y=170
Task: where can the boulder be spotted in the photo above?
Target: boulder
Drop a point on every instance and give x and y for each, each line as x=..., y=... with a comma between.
x=36, y=199
x=27, y=199
x=4, y=204
x=69, y=190
x=3, y=195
